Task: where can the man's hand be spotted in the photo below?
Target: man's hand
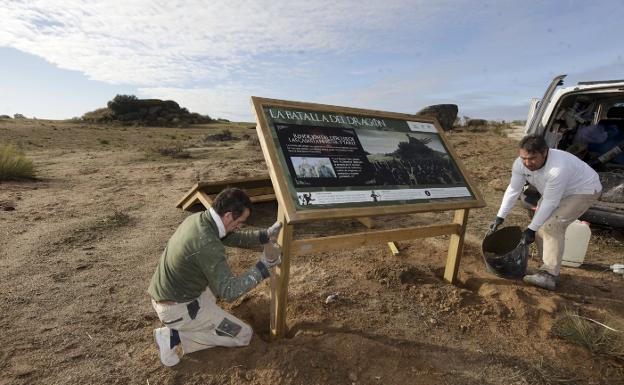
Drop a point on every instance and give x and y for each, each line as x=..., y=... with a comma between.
x=528, y=236
x=274, y=230
x=271, y=255
x=495, y=223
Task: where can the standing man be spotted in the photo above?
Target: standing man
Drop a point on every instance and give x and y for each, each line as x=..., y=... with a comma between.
x=568, y=186
x=193, y=272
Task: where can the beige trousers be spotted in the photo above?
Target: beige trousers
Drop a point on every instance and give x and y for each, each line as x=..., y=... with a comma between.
x=550, y=237
x=210, y=326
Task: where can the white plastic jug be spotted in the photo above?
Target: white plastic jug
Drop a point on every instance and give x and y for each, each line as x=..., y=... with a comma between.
x=576, y=241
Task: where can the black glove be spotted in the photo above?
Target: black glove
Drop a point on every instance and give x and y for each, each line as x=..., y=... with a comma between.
x=495, y=223
x=270, y=234
x=271, y=257
x=528, y=236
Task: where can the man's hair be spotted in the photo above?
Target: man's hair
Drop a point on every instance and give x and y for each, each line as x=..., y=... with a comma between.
x=231, y=199
x=533, y=144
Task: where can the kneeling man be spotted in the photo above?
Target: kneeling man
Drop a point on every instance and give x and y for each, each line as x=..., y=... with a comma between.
x=193, y=272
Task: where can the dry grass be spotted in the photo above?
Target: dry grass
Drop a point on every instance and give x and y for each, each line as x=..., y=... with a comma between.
x=13, y=164
x=100, y=115
x=176, y=152
x=596, y=338
x=114, y=220
x=253, y=141
x=540, y=373
x=498, y=129
x=222, y=136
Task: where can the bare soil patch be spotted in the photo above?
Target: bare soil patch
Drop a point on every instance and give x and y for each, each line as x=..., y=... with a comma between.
x=79, y=245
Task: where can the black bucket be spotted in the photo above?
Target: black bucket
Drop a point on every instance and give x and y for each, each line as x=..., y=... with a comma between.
x=503, y=254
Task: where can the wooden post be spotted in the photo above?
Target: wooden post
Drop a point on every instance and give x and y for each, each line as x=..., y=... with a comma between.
x=368, y=222
x=393, y=247
x=279, y=280
x=456, y=246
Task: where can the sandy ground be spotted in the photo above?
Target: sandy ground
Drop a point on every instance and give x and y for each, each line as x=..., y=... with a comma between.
x=79, y=245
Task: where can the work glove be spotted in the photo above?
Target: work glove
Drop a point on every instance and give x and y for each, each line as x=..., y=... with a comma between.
x=528, y=236
x=274, y=230
x=495, y=223
x=271, y=255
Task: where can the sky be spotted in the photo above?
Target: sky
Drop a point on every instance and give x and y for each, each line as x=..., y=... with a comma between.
x=60, y=59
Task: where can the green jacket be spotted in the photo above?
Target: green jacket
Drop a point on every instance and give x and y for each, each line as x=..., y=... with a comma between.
x=194, y=259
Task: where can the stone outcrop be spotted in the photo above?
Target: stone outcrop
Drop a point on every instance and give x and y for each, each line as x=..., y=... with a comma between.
x=444, y=113
x=128, y=109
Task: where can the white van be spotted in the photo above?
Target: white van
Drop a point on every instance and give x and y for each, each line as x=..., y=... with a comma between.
x=587, y=120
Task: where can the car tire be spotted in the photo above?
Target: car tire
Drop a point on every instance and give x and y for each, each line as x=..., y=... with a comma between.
x=597, y=216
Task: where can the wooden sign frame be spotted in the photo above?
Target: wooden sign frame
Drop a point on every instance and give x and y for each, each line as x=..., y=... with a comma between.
x=283, y=125
x=282, y=179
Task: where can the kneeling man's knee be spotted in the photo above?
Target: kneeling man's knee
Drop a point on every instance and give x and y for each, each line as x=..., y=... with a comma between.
x=244, y=337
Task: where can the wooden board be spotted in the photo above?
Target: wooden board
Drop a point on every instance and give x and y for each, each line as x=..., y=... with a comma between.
x=259, y=189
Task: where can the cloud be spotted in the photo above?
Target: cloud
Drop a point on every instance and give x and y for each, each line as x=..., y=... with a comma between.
x=176, y=42
x=602, y=71
x=397, y=55
x=230, y=101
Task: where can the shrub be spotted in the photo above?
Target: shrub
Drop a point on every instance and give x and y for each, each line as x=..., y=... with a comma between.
x=476, y=122
x=497, y=130
x=253, y=141
x=222, y=136
x=13, y=164
x=100, y=115
x=122, y=103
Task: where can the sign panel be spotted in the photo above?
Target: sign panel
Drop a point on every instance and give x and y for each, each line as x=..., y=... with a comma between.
x=327, y=157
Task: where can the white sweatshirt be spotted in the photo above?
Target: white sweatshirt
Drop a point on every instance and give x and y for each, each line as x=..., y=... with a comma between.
x=562, y=175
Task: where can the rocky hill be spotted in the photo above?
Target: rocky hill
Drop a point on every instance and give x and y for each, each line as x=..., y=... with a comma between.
x=128, y=109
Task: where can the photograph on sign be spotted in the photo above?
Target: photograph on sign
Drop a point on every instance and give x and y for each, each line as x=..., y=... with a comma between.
x=333, y=159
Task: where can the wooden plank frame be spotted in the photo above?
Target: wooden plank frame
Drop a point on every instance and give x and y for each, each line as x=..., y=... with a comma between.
x=292, y=217
x=259, y=189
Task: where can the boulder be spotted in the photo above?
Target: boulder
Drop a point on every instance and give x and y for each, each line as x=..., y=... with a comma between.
x=444, y=113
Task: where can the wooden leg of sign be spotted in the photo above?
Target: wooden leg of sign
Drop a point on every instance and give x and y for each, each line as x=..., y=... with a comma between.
x=393, y=247
x=368, y=222
x=279, y=281
x=456, y=246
